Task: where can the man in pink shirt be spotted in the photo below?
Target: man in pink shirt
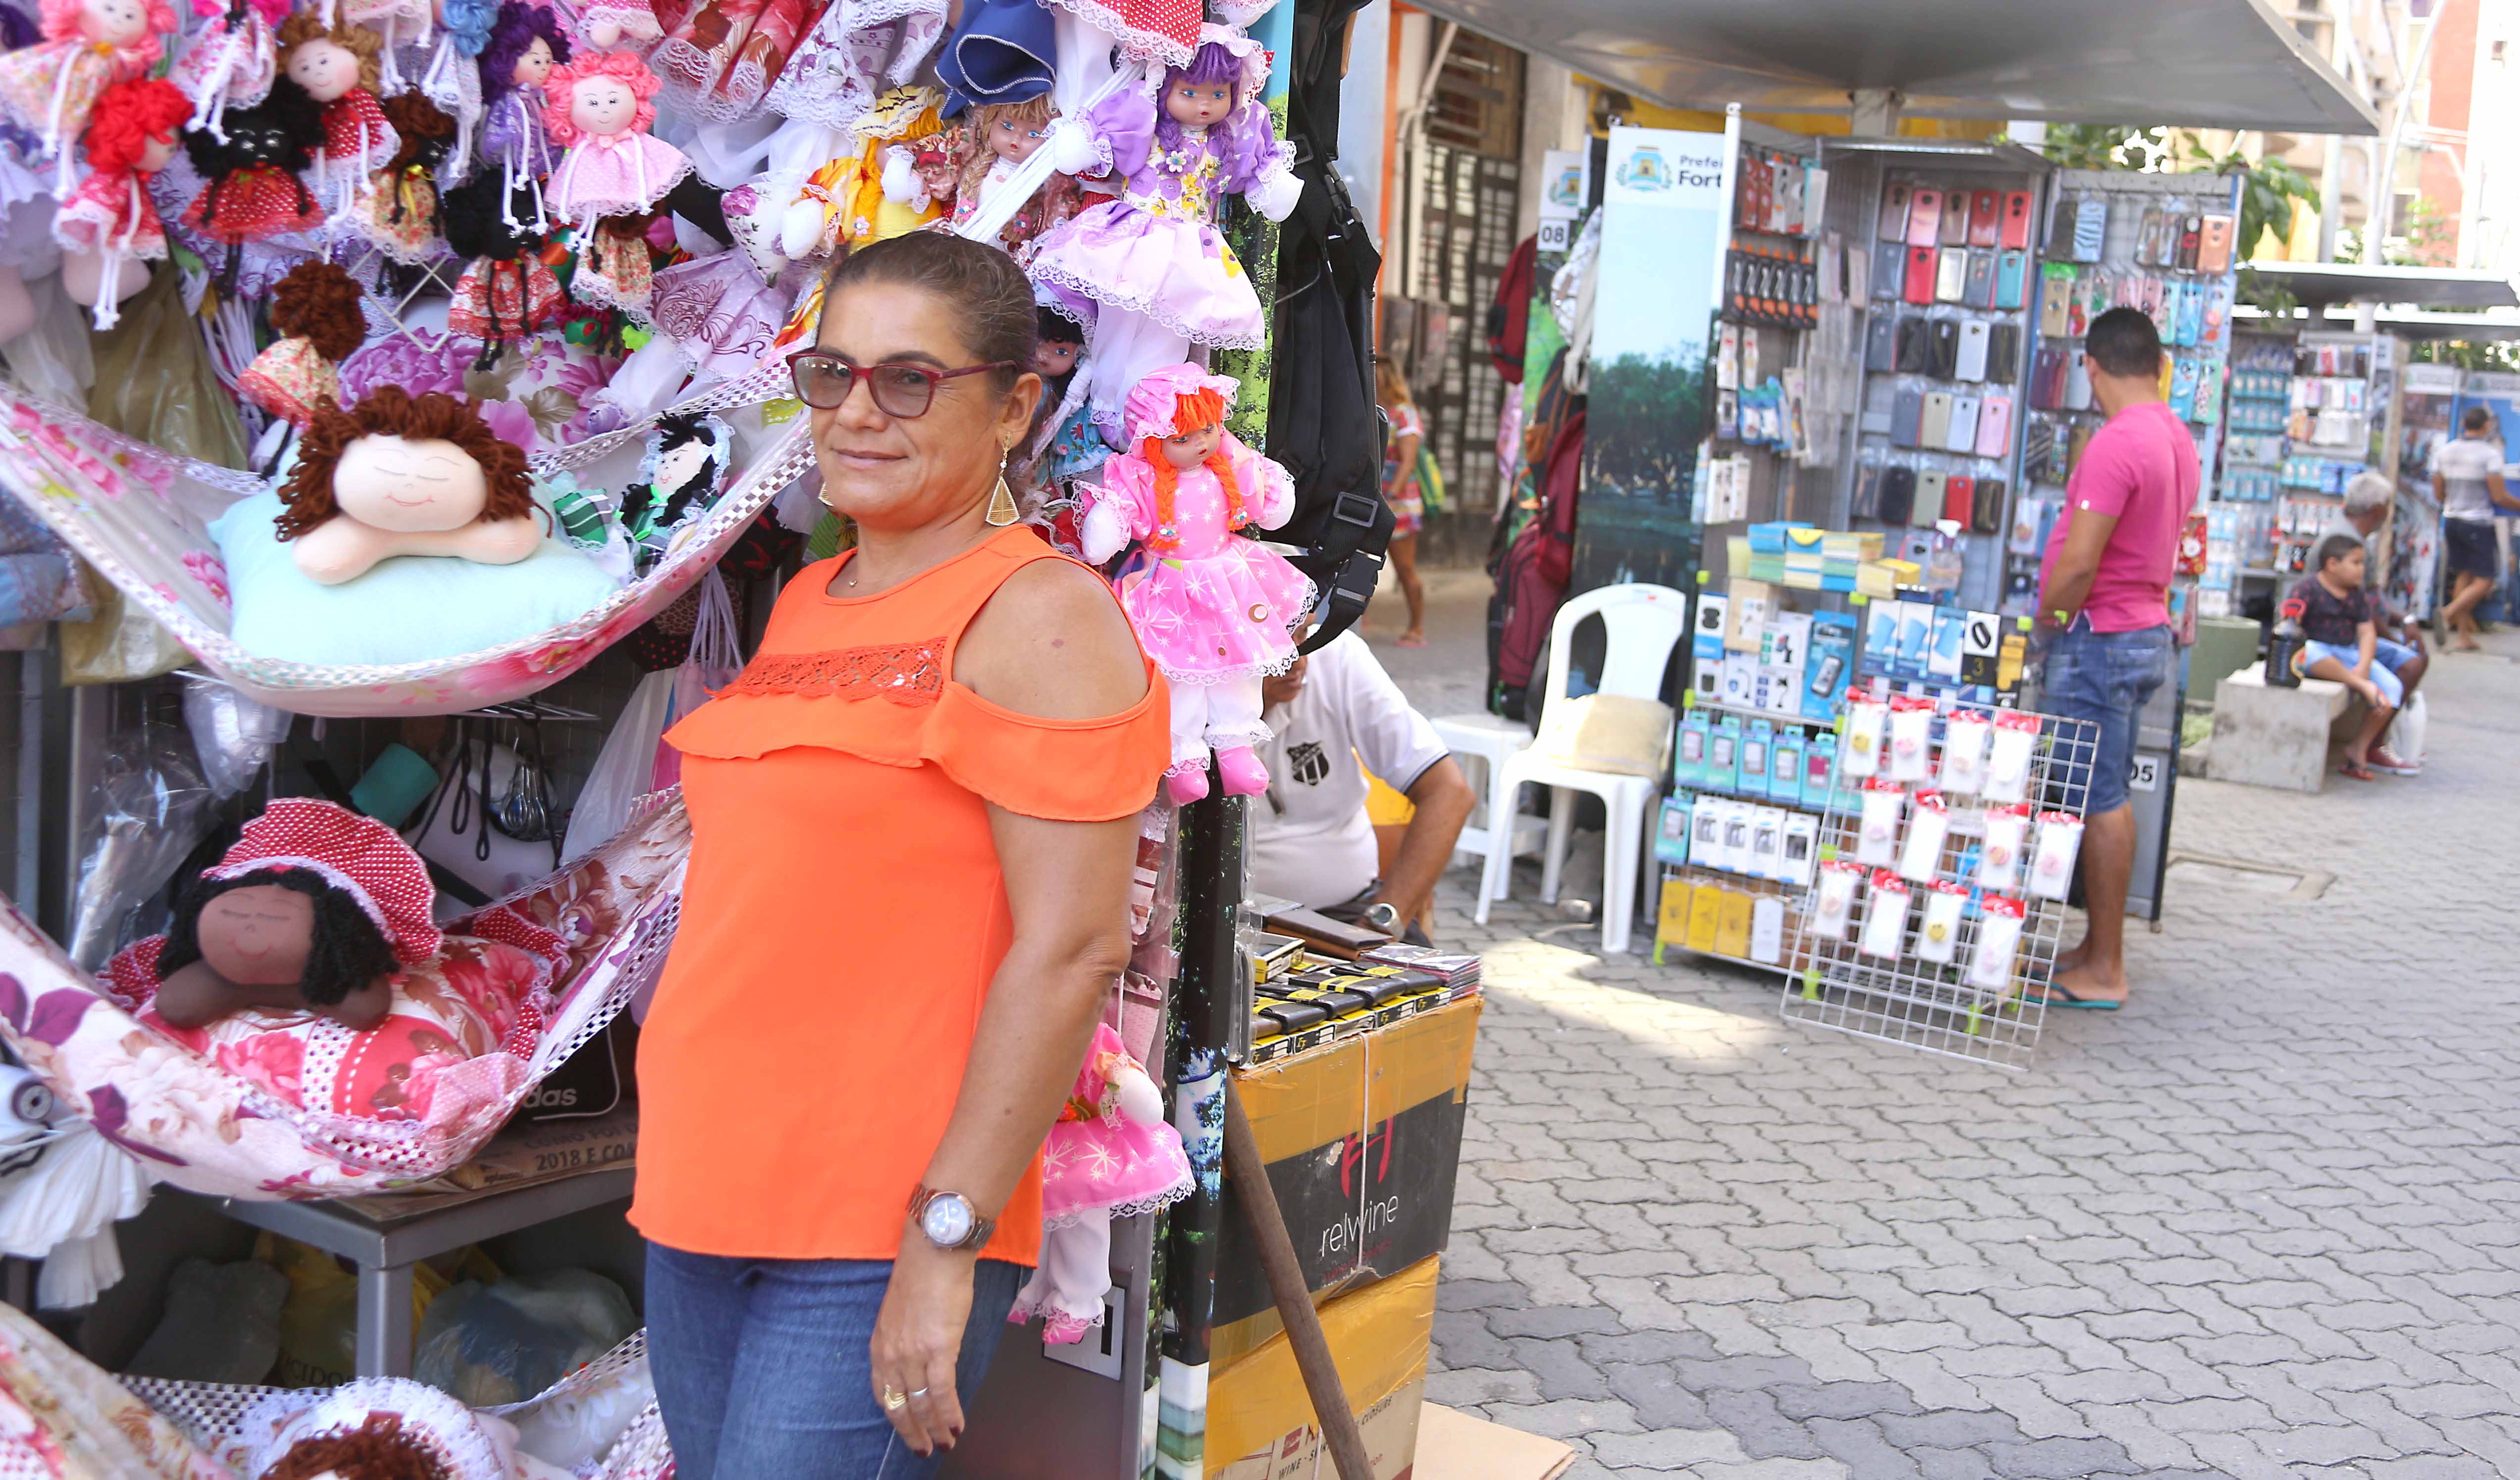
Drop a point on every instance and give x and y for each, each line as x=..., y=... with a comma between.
x=2104, y=610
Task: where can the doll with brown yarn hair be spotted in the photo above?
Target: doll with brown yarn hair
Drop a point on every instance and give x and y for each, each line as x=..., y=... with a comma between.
x=316, y=311
x=380, y=1428
x=375, y=1451
x=399, y=213
x=405, y=475
x=339, y=66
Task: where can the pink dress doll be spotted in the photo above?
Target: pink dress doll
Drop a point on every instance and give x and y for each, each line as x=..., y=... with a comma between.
x=1213, y=610
x=599, y=111
x=338, y=66
x=232, y=59
x=1153, y=258
x=88, y=46
x=1112, y=1154
x=110, y=226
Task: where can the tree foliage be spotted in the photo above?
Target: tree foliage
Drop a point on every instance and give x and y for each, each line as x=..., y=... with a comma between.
x=1644, y=418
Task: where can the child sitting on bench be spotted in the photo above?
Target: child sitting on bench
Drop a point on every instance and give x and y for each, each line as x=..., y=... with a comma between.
x=2338, y=617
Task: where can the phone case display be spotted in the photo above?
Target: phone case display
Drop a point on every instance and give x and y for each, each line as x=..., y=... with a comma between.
x=1934, y=917
x=1945, y=379
x=2160, y=244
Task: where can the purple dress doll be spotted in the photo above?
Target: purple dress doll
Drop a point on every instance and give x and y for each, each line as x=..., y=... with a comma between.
x=525, y=44
x=1153, y=258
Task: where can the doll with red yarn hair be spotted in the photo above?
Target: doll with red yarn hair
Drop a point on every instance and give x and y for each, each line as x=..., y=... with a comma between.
x=109, y=228
x=1215, y=610
x=50, y=88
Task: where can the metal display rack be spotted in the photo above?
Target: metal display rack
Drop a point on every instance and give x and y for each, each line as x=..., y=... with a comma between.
x=1916, y=1003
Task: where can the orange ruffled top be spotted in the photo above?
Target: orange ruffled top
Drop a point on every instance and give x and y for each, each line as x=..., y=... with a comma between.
x=843, y=914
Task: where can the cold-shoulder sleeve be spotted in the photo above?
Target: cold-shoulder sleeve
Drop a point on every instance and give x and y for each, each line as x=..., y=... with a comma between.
x=1088, y=770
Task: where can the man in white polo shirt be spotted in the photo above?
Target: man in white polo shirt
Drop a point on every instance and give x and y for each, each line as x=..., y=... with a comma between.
x=1310, y=838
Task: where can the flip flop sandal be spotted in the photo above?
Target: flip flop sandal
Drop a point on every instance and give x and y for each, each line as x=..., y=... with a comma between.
x=2394, y=766
x=2058, y=997
x=2358, y=773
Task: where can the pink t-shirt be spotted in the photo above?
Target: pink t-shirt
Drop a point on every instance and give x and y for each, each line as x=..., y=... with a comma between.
x=2140, y=468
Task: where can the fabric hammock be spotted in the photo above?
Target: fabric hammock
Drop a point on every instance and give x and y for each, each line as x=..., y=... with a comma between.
x=63, y=1416
x=138, y=515
x=604, y=923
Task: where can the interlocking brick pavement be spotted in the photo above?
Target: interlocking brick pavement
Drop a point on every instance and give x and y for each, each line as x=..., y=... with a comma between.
x=2265, y=1221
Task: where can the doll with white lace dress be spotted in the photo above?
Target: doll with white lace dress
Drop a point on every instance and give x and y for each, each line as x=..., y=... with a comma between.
x=1111, y=1155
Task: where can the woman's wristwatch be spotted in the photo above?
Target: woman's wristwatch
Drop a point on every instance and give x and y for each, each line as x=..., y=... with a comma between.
x=949, y=1219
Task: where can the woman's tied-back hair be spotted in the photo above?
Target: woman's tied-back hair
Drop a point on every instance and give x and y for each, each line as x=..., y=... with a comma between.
x=359, y=41
x=391, y=411
x=989, y=295
x=1195, y=411
x=128, y=116
x=320, y=302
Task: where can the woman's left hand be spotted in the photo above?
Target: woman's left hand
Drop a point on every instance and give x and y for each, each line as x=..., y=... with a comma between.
x=918, y=1338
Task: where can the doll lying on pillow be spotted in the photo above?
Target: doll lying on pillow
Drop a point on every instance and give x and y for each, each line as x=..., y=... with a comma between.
x=405, y=475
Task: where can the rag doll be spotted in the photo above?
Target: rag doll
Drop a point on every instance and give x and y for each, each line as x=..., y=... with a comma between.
x=525, y=46
x=109, y=231
x=400, y=212
x=1153, y=258
x=403, y=475
x=232, y=59
x=251, y=192
x=314, y=907
x=1111, y=1153
x=598, y=108
x=338, y=68
x=844, y=201
x=1214, y=609
x=991, y=141
x=49, y=88
x=315, y=309
x=380, y=1428
x=506, y=291
x=689, y=462
x=603, y=25
x=452, y=79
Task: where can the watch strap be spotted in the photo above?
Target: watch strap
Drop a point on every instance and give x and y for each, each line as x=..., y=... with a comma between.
x=982, y=1226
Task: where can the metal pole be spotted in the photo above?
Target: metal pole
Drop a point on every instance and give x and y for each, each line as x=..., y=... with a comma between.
x=2385, y=169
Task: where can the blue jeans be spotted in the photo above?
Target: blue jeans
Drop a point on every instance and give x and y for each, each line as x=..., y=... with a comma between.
x=761, y=1365
x=2387, y=657
x=2105, y=678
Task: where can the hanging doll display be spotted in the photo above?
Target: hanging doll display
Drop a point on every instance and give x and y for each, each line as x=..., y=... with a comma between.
x=316, y=311
x=49, y=88
x=1111, y=1155
x=507, y=291
x=338, y=66
x=857, y=49
x=598, y=108
x=403, y=475
x=1213, y=608
x=991, y=142
x=398, y=214
x=1069, y=445
x=723, y=57
x=844, y=201
x=689, y=462
x=251, y=190
x=109, y=231
x=232, y=58
x=525, y=44
x=1153, y=259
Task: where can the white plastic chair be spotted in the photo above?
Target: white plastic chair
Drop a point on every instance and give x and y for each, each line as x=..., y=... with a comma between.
x=1488, y=741
x=1641, y=623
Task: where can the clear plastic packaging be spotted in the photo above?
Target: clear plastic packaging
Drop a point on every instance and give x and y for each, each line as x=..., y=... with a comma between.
x=1938, y=937
x=1836, y=901
x=1929, y=823
x=232, y=736
x=152, y=807
x=1998, y=938
x=1912, y=738
x=1867, y=723
x=1998, y=860
x=1964, y=739
x=2052, y=860
x=1876, y=839
x=1885, y=917
x=2010, y=747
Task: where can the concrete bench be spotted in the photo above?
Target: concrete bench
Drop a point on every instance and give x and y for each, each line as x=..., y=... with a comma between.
x=2282, y=738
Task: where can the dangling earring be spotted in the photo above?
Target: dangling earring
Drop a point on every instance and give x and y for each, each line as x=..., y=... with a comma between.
x=1001, y=501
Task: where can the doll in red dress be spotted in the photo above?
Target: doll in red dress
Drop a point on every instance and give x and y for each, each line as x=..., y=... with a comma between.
x=89, y=45
x=337, y=66
x=108, y=229
x=251, y=192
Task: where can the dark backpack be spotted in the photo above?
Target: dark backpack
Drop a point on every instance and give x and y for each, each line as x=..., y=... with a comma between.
x=1531, y=582
x=1324, y=425
x=1509, y=315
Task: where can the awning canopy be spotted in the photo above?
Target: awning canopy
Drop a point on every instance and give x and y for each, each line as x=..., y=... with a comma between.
x=2320, y=283
x=2406, y=323
x=2219, y=64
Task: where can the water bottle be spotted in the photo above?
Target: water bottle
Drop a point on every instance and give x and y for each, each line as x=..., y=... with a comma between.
x=2286, y=644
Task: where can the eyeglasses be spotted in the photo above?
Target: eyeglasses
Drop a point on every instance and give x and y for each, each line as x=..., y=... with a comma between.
x=824, y=380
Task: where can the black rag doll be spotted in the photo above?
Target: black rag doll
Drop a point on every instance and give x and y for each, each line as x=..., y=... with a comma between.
x=251, y=192
x=689, y=460
x=507, y=290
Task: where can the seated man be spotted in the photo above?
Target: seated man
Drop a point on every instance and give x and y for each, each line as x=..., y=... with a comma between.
x=2341, y=621
x=1312, y=840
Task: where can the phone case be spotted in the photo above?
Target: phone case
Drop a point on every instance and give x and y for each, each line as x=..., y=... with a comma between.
x=2015, y=235
x=2213, y=247
x=1959, y=499
x=2148, y=236
x=1907, y=418
x=2004, y=353
x=2012, y=278
x=2047, y=377
x=1914, y=351
x=1898, y=495
x=2055, y=310
x=1956, y=219
x=1935, y=425
x=1977, y=290
x=1924, y=216
x=2038, y=451
x=2190, y=243
x=1970, y=362
x=1961, y=436
x=1986, y=514
x=1950, y=274
x=1881, y=342
x=2078, y=383
x=1928, y=504
x=1867, y=495
x=1920, y=275
x=2090, y=227
x=1889, y=270
x=2184, y=375
x=1880, y=395
x=1994, y=426
x=1942, y=350
x=2191, y=314
x=2218, y=316
x=1894, y=213
x=1985, y=207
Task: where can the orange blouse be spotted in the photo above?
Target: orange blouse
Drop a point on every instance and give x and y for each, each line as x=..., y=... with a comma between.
x=843, y=914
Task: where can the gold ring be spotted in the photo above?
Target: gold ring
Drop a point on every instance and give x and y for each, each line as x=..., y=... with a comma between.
x=894, y=1399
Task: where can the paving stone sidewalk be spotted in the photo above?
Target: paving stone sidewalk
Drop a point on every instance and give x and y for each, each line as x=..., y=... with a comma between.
x=2265, y=1221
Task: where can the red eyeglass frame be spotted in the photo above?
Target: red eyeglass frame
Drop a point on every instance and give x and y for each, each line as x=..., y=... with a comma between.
x=857, y=373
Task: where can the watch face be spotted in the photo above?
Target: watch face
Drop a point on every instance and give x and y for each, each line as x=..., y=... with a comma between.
x=947, y=1220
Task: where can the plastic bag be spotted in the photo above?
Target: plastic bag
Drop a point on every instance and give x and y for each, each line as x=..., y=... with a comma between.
x=153, y=808
x=232, y=736
x=118, y=642
x=717, y=656
x=222, y=1324
x=2406, y=736
x=319, y=1322
x=51, y=361
x=625, y=768
x=503, y=1342
x=154, y=380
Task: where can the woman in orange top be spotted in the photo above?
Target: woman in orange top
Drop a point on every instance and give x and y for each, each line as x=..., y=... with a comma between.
x=913, y=828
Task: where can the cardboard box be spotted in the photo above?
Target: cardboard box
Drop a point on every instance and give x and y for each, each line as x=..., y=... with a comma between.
x=1363, y=1140
x=1454, y=1446
x=1260, y=1421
